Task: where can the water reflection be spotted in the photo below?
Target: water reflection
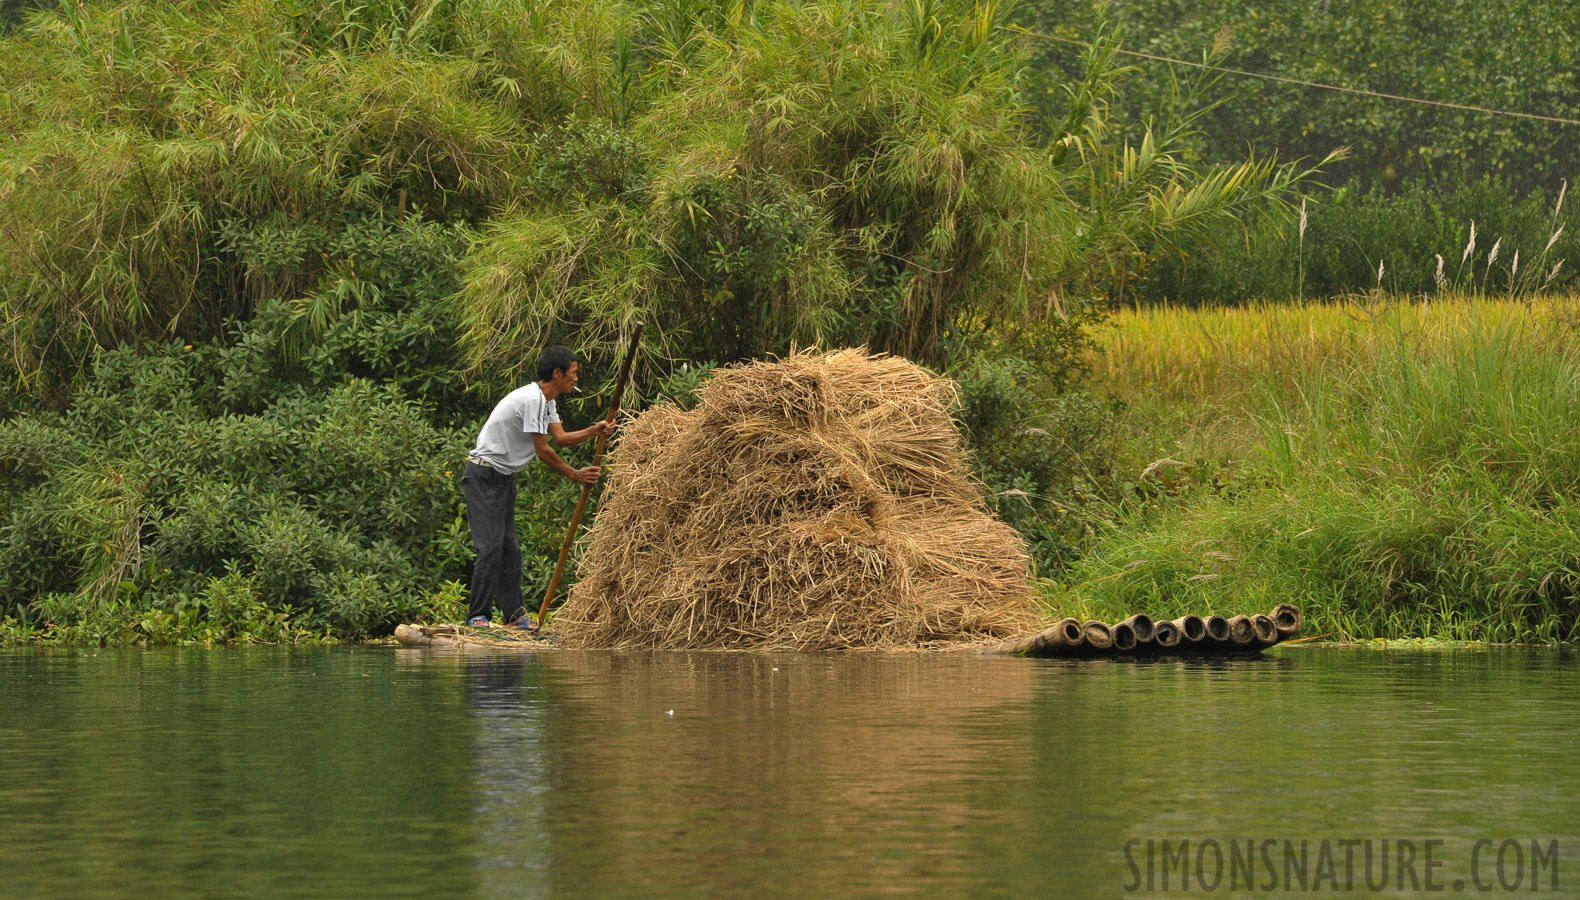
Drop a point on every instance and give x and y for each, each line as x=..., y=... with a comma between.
x=511, y=834
x=357, y=772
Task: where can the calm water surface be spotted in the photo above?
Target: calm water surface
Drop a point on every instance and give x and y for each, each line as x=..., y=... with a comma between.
x=375, y=772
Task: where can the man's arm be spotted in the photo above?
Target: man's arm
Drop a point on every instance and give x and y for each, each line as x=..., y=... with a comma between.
x=553, y=461
x=565, y=438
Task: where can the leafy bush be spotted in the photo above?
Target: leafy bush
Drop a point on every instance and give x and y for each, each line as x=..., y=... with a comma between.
x=1042, y=447
x=298, y=478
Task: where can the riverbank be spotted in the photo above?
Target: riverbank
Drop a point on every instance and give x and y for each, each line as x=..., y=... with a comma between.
x=1397, y=469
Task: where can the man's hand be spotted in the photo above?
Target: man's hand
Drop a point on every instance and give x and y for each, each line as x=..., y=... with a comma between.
x=565, y=438
x=585, y=476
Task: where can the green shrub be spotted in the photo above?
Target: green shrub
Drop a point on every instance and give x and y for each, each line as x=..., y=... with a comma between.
x=1043, y=453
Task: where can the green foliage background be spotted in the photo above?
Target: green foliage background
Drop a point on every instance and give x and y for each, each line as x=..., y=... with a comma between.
x=1520, y=56
x=267, y=263
x=1415, y=177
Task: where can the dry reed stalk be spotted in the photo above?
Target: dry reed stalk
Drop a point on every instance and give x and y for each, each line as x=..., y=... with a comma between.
x=819, y=502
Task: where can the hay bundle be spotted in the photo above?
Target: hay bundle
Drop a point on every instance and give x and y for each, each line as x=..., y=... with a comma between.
x=819, y=502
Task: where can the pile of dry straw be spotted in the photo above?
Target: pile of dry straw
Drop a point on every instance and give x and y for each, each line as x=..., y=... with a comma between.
x=819, y=502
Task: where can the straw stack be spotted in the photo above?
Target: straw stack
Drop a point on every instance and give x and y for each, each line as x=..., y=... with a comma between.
x=820, y=502
x=1139, y=635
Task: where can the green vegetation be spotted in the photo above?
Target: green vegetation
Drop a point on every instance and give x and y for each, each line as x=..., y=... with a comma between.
x=1351, y=234
x=257, y=488
x=1517, y=56
x=743, y=178
x=1415, y=177
x=1398, y=470
x=267, y=263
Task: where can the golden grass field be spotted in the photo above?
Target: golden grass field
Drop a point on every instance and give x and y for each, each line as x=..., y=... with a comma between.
x=1201, y=357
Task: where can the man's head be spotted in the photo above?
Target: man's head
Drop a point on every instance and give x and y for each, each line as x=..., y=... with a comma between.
x=557, y=368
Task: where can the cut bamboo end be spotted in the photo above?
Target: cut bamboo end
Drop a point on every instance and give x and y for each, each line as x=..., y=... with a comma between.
x=412, y=636
x=1141, y=625
x=1061, y=639
x=1166, y=635
x=1124, y=636
x=1241, y=632
x=1217, y=628
x=1266, y=631
x=1066, y=635
x=1191, y=628
x=1288, y=619
x=1098, y=635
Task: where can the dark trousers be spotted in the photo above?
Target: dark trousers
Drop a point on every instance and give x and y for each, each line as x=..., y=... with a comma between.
x=491, y=513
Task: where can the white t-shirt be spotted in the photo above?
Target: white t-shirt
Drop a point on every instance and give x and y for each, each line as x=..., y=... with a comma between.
x=505, y=443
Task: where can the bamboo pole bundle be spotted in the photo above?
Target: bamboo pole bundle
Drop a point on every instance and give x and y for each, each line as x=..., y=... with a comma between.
x=1186, y=634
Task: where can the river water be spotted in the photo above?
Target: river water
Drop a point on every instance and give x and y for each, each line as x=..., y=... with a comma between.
x=381, y=772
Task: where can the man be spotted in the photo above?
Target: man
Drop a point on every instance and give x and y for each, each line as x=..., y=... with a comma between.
x=517, y=431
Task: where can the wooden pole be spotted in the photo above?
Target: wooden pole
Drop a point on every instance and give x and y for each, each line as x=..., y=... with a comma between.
x=603, y=444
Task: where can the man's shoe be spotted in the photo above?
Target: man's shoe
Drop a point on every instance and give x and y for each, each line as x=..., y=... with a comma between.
x=527, y=623
x=478, y=622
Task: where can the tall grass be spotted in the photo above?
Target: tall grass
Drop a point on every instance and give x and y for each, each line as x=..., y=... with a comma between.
x=1428, y=239
x=1412, y=470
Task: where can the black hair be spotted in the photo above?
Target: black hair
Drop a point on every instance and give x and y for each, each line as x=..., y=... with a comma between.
x=556, y=357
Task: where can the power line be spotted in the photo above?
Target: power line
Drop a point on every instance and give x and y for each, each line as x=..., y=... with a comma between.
x=1314, y=84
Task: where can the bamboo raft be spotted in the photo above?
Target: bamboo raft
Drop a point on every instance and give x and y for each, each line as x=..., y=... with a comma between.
x=1139, y=635
x=462, y=637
